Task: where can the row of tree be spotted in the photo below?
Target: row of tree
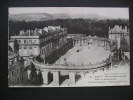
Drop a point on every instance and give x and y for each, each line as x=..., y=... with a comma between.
x=35, y=78
x=84, y=26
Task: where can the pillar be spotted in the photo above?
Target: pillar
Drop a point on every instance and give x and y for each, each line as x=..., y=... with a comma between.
x=45, y=77
x=56, y=78
x=73, y=42
x=28, y=71
x=118, y=55
x=82, y=74
x=72, y=77
x=124, y=56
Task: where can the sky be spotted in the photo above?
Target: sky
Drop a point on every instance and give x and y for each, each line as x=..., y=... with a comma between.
x=114, y=12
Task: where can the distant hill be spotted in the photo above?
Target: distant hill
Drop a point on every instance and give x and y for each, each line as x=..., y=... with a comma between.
x=30, y=17
x=45, y=16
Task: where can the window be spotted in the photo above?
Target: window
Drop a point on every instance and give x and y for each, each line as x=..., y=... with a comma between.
x=42, y=51
x=25, y=47
x=30, y=41
x=13, y=83
x=30, y=47
x=22, y=78
x=20, y=47
x=17, y=80
x=12, y=73
x=17, y=71
x=24, y=41
x=19, y=41
x=34, y=41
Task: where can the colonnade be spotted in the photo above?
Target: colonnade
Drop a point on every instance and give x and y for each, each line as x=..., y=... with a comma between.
x=79, y=41
x=82, y=41
x=56, y=77
x=72, y=75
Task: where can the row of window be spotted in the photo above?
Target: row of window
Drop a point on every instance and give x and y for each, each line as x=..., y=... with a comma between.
x=27, y=41
x=27, y=47
x=49, y=37
x=51, y=45
x=48, y=47
x=46, y=39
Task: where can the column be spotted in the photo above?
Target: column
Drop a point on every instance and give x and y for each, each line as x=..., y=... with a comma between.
x=44, y=59
x=124, y=56
x=73, y=42
x=118, y=55
x=56, y=78
x=82, y=74
x=72, y=77
x=28, y=71
x=45, y=77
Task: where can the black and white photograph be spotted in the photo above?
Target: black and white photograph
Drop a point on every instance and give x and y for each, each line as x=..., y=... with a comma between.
x=68, y=46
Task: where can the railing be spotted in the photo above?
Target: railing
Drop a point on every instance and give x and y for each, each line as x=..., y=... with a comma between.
x=71, y=67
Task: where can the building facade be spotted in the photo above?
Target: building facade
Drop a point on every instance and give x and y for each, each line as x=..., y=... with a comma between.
x=17, y=71
x=117, y=35
x=40, y=41
x=120, y=41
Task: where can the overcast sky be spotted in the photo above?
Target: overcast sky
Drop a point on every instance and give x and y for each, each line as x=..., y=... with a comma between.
x=114, y=12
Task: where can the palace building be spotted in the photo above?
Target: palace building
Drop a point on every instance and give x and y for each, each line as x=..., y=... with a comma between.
x=41, y=41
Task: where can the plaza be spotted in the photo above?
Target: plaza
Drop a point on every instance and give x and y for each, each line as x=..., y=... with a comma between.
x=84, y=55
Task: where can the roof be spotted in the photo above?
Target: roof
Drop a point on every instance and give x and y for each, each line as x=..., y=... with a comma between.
x=27, y=33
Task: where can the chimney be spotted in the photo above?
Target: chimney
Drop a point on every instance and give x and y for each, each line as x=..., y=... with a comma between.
x=21, y=31
x=46, y=29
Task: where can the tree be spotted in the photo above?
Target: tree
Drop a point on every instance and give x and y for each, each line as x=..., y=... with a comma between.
x=40, y=78
x=33, y=74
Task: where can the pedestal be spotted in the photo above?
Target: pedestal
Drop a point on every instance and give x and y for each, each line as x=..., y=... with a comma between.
x=56, y=78
x=72, y=77
x=45, y=77
x=82, y=74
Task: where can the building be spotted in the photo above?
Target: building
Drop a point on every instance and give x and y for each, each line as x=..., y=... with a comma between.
x=40, y=41
x=120, y=40
x=13, y=46
x=17, y=71
x=117, y=34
